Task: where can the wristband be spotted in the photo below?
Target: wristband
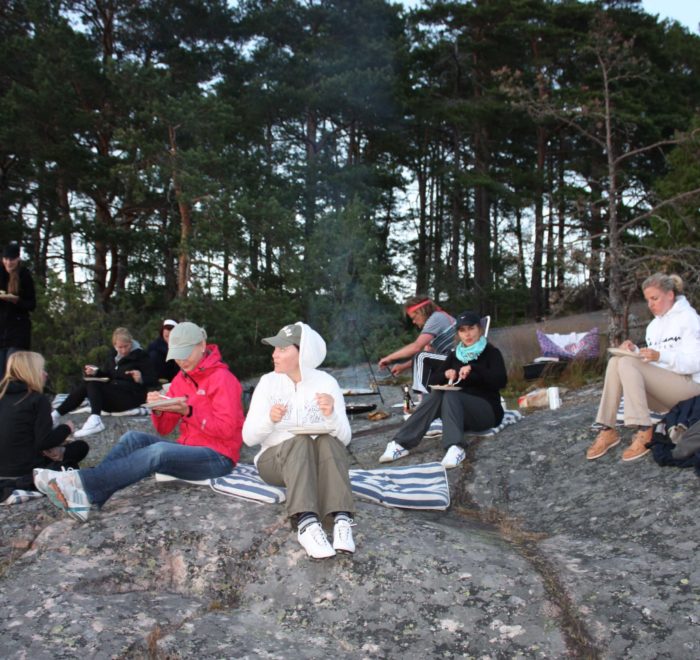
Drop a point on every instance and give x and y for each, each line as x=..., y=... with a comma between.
x=189, y=413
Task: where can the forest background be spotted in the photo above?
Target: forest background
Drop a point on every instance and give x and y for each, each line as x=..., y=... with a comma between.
x=248, y=164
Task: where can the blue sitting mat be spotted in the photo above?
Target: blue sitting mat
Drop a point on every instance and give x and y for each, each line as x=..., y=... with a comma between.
x=423, y=486
x=656, y=417
x=509, y=417
x=18, y=496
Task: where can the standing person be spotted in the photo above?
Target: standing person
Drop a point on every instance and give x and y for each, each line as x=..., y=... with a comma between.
x=657, y=377
x=129, y=374
x=297, y=414
x=17, y=300
x=478, y=369
x=210, y=419
x=158, y=351
x=28, y=439
x=427, y=352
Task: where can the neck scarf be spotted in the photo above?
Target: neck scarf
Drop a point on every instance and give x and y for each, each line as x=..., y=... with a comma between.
x=469, y=353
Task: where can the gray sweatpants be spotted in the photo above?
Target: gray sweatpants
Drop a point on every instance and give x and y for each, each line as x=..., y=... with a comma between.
x=459, y=411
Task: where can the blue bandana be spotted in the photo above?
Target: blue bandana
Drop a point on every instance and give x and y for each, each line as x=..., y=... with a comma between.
x=468, y=353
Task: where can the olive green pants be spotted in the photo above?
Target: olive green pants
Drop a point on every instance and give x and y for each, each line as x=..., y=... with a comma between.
x=315, y=472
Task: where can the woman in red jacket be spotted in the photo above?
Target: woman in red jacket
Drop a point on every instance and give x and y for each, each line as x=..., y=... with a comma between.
x=204, y=398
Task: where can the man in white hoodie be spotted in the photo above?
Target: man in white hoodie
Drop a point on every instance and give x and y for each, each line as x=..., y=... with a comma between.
x=656, y=377
x=297, y=415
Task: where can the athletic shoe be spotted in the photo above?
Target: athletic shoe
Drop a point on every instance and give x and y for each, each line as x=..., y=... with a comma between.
x=606, y=439
x=393, y=452
x=434, y=429
x=314, y=540
x=454, y=456
x=55, y=418
x=92, y=425
x=638, y=448
x=42, y=477
x=67, y=493
x=342, y=536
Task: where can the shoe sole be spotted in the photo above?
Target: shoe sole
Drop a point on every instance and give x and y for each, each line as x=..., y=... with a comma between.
x=57, y=497
x=344, y=551
x=383, y=459
x=634, y=458
x=607, y=449
x=432, y=434
x=85, y=434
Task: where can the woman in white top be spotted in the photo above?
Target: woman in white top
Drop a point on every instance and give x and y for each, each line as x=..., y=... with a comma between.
x=297, y=415
x=653, y=378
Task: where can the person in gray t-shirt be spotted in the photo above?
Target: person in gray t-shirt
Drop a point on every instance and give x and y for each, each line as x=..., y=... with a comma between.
x=436, y=339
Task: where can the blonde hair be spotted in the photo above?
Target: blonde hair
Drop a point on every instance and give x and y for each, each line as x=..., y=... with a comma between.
x=122, y=333
x=664, y=282
x=25, y=367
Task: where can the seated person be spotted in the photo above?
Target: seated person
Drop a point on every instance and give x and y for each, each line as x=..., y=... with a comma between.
x=659, y=376
x=130, y=374
x=297, y=414
x=28, y=439
x=478, y=370
x=427, y=352
x=157, y=351
x=209, y=444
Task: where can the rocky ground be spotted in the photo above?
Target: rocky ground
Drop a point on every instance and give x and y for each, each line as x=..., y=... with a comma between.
x=542, y=555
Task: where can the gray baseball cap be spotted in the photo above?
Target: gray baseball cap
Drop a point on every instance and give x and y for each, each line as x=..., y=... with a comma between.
x=288, y=336
x=183, y=338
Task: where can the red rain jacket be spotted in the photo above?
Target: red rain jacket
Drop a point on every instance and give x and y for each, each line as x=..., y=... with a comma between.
x=217, y=412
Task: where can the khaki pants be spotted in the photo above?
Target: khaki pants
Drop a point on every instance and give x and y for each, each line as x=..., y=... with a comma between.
x=314, y=471
x=645, y=387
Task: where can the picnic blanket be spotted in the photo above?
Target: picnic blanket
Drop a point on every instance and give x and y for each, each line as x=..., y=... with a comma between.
x=85, y=408
x=509, y=417
x=18, y=496
x=421, y=486
x=656, y=417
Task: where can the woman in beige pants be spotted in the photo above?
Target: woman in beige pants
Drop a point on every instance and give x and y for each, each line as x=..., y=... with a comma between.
x=656, y=377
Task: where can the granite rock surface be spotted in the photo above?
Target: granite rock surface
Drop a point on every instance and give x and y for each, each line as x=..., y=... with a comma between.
x=542, y=554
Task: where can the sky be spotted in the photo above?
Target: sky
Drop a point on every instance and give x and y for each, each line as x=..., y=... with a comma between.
x=686, y=12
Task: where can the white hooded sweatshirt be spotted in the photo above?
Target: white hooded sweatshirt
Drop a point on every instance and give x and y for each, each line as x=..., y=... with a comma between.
x=299, y=398
x=676, y=336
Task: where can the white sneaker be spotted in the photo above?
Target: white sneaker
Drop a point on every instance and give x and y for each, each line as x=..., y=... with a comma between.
x=342, y=536
x=55, y=418
x=92, y=425
x=314, y=540
x=434, y=429
x=454, y=456
x=67, y=493
x=42, y=476
x=393, y=452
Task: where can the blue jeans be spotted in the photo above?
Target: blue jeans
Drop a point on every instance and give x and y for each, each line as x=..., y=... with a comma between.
x=138, y=455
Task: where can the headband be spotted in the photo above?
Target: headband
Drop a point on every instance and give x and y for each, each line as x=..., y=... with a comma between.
x=413, y=308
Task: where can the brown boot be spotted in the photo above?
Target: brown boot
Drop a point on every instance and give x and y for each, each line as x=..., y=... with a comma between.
x=605, y=440
x=638, y=448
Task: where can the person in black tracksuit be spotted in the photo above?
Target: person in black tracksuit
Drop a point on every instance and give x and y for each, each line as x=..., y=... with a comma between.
x=27, y=437
x=475, y=406
x=130, y=373
x=158, y=350
x=17, y=300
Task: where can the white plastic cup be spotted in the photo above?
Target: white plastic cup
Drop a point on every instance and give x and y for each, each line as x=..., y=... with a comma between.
x=553, y=398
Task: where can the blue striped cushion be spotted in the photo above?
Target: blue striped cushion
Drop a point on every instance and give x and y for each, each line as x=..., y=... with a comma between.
x=407, y=487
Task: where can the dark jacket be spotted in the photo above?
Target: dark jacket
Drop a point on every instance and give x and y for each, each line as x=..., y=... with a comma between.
x=136, y=360
x=157, y=352
x=15, y=324
x=26, y=430
x=487, y=377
